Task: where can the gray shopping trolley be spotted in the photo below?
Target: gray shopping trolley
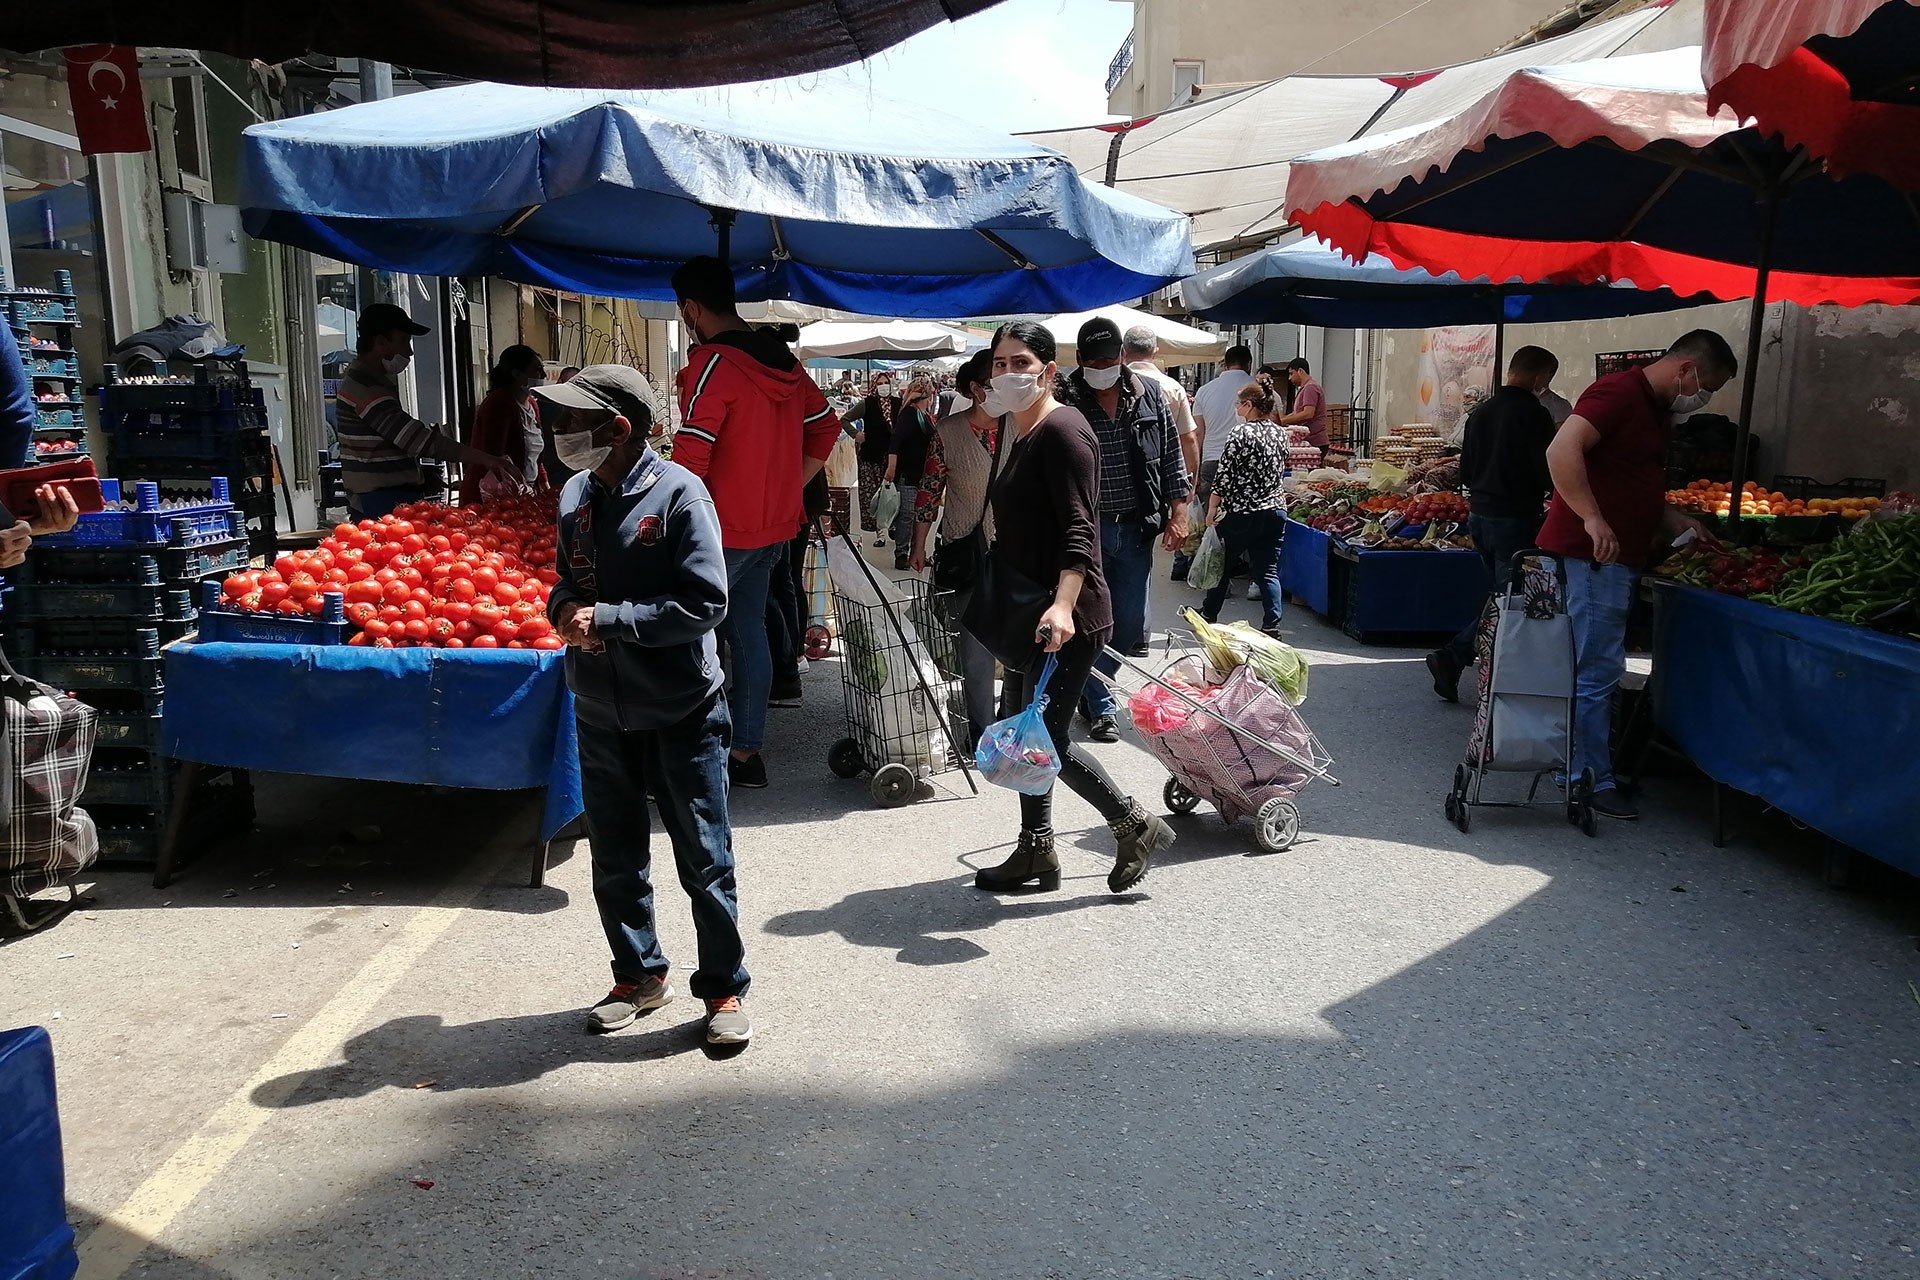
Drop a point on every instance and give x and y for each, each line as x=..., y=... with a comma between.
x=1523, y=718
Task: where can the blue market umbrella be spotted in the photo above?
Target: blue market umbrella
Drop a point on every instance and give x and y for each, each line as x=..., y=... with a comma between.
x=1311, y=283
x=821, y=194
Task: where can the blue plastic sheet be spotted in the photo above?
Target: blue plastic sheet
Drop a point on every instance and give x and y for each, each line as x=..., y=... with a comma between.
x=839, y=199
x=1303, y=566
x=1422, y=592
x=498, y=720
x=1812, y=716
x=36, y=1243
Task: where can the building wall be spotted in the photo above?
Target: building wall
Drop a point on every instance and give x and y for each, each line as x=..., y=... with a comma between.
x=1838, y=390
x=1254, y=40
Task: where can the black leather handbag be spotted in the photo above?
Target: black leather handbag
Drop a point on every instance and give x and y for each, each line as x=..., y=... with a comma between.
x=1004, y=615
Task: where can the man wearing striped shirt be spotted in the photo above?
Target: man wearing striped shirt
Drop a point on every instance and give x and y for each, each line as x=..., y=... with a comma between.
x=381, y=444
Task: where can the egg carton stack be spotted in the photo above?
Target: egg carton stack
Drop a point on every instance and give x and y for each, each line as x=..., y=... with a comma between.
x=185, y=429
x=43, y=321
x=90, y=612
x=1301, y=455
x=1409, y=444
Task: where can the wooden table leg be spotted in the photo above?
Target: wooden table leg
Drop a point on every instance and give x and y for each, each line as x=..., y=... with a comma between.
x=183, y=788
x=541, y=849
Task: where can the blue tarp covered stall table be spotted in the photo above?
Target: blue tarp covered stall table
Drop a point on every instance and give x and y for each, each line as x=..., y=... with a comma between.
x=1773, y=703
x=1303, y=567
x=1389, y=596
x=36, y=1242
x=497, y=721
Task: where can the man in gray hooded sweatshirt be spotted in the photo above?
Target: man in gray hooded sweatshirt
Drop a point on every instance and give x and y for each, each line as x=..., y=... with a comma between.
x=643, y=586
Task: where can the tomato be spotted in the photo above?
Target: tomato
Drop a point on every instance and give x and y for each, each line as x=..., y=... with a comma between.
x=413, y=577
x=335, y=578
x=302, y=583
x=441, y=630
x=547, y=577
x=360, y=613
x=397, y=592
x=484, y=642
x=456, y=540
x=401, y=530
x=359, y=638
x=286, y=566
x=548, y=643
x=506, y=630
x=524, y=610
x=272, y=594
x=376, y=627
x=290, y=607
x=486, y=579
x=462, y=589
x=250, y=602
x=505, y=594
x=381, y=642
x=417, y=629
x=413, y=609
x=315, y=606
x=360, y=571
x=457, y=611
x=413, y=544
x=488, y=614
x=534, y=628
x=384, y=576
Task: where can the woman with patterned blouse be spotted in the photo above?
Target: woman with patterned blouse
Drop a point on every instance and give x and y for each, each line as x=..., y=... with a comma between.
x=1246, y=503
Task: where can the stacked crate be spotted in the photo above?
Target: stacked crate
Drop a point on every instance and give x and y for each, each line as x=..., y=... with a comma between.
x=89, y=612
x=43, y=321
x=183, y=430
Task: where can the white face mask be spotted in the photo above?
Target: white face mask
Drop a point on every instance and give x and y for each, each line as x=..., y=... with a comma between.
x=1016, y=391
x=1698, y=400
x=577, y=450
x=1102, y=379
x=397, y=365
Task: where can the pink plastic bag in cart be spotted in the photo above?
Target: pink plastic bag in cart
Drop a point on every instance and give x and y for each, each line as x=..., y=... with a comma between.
x=1238, y=772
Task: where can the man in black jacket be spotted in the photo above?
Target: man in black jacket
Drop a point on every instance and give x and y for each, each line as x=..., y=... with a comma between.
x=1503, y=466
x=643, y=586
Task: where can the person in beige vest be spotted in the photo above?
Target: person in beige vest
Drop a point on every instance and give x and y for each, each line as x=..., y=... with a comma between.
x=953, y=489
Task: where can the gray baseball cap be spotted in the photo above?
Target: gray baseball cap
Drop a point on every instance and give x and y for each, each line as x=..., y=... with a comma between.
x=617, y=388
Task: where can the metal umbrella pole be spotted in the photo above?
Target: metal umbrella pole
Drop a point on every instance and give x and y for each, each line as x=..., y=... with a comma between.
x=1756, y=318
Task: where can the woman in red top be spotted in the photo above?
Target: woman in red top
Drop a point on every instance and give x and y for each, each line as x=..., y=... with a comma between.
x=507, y=424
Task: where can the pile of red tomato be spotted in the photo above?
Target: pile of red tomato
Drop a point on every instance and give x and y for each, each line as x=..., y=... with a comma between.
x=445, y=577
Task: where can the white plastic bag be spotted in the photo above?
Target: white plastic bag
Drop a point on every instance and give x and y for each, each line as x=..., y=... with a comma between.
x=886, y=506
x=1209, y=562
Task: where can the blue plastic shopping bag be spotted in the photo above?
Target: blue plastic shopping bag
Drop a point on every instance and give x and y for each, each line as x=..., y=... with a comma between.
x=1018, y=753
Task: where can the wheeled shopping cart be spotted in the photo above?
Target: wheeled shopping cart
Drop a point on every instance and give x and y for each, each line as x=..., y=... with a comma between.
x=1233, y=741
x=1523, y=717
x=906, y=715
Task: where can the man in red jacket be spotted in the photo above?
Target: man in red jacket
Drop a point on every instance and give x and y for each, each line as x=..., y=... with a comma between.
x=756, y=429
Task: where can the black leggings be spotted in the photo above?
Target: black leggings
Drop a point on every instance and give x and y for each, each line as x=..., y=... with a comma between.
x=1078, y=769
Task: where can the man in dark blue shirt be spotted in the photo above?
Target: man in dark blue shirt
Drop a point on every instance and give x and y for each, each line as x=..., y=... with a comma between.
x=643, y=587
x=16, y=404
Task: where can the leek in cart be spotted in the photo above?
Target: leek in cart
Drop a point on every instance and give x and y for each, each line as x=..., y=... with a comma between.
x=1240, y=644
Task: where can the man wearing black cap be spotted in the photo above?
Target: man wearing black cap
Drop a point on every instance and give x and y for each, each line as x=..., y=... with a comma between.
x=381, y=444
x=643, y=587
x=1143, y=491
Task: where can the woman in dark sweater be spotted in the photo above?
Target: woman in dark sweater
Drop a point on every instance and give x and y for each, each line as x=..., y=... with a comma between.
x=1045, y=501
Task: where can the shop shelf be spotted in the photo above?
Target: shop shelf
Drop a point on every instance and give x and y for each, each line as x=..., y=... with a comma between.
x=151, y=524
x=220, y=624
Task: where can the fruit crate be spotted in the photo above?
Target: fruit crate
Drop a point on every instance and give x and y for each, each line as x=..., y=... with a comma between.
x=60, y=415
x=1806, y=488
x=154, y=601
x=87, y=637
x=189, y=434
x=130, y=564
x=143, y=674
x=60, y=366
x=130, y=835
x=126, y=776
x=41, y=308
x=130, y=727
x=170, y=400
x=150, y=523
x=220, y=624
x=254, y=461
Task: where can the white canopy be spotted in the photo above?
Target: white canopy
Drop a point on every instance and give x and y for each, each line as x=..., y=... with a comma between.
x=1224, y=161
x=1179, y=343
x=879, y=340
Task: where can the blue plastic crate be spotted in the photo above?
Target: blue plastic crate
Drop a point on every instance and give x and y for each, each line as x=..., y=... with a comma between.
x=177, y=403
x=154, y=601
x=219, y=624
x=126, y=776
x=131, y=564
x=137, y=728
x=145, y=675
x=41, y=365
x=43, y=308
x=205, y=443
x=93, y=637
x=151, y=524
x=60, y=416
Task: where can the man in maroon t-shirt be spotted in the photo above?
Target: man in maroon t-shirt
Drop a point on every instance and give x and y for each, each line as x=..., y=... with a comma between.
x=1608, y=463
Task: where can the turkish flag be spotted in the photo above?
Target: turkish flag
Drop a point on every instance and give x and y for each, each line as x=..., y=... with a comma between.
x=109, y=111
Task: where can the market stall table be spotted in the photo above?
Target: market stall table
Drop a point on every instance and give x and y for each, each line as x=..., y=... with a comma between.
x=499, y=720
x=1382, y=595
x=1778, y=705
x=1303, y=566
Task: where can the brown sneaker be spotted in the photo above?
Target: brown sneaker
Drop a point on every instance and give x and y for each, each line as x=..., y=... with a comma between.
x=727, y=1021
x=627, y=1001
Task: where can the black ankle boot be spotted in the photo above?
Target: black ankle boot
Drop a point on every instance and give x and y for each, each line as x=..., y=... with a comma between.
x=1141, y=835
x=1033, y=867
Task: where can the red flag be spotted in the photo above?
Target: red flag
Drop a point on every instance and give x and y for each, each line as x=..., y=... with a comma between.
x=109, y=111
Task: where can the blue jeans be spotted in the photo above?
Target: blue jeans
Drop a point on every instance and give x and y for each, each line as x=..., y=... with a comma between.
x=685, y=766
x=1599, y=597
x=1498, y=539
x=380, y=502
x=1126, y=557
x=902, y=531
x=1256, y=536
x=750, y=653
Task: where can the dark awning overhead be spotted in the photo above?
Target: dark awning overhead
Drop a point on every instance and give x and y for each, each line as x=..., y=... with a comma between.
x=610, y=44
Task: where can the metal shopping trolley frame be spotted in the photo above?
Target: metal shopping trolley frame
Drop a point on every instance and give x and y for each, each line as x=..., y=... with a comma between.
x=1524, y=712
x=1214, y=756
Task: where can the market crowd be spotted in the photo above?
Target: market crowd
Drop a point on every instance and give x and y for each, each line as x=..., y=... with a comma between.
x=680, y=598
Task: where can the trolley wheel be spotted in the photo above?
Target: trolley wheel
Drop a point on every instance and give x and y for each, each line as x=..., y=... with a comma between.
x=1453, y=807
x=844, y=758
x=893, y=785
x=1279, y=825
x=819, y=642
x=1178, y=798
